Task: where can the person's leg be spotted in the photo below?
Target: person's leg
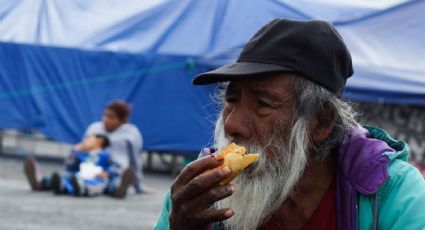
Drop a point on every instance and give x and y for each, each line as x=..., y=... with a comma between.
x=46, y=183
x=118, y=185
x=60, y=182
x=77, y=185
x=136, y=166
x=138, y=186
x=57, y=183
x=34, y=175
x=113, y=183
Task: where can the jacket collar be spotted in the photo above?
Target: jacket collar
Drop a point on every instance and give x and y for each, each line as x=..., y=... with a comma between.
x=361, y=160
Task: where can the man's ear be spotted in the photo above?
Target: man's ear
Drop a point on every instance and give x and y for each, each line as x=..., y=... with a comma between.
x=322, y=125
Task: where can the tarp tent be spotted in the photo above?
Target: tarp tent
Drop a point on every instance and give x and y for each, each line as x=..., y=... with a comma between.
x=61, y=62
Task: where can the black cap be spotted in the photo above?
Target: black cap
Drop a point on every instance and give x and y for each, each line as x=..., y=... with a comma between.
x=312, y=48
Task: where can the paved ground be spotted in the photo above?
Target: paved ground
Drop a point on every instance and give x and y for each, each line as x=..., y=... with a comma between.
x=22, y=209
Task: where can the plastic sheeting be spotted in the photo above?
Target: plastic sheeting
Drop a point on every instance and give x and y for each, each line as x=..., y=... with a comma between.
x=61, y=91
x=146, y=52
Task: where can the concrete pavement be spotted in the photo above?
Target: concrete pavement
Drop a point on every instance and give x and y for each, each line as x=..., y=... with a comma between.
x=22, y=209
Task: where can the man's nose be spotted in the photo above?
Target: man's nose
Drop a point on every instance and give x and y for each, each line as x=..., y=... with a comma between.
x=237, y=124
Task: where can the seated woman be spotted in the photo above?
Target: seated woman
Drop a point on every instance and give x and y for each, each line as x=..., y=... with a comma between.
x=126, y=142
x=89, y=169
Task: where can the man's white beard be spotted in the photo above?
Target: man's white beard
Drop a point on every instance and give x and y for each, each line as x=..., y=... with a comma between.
x=261, y=189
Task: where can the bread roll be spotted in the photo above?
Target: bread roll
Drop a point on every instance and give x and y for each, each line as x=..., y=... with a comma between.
x=236, y=159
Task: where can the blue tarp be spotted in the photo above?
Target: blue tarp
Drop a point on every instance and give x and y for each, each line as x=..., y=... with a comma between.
x=68, y=89
x=61, y=62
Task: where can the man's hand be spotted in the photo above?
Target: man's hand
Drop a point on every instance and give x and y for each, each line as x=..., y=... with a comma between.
x=195, y=191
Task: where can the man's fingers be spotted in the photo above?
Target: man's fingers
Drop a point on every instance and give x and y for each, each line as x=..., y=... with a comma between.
x=213, y=215
x=208, y=198
x=196, y=189
x=197, y=167
x=200, y=184
x=199, y=220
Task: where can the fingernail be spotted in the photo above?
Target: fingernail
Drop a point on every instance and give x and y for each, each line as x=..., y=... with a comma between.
x=226, y=170
x=218, y=157
x=228, y=213
x=230, y=188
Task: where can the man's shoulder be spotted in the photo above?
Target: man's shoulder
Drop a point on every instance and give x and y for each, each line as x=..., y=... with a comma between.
x=401, y=172
x=400, y=200
x=402, y=197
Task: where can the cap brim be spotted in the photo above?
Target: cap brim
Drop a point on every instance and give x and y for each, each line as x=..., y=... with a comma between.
x=237, y=70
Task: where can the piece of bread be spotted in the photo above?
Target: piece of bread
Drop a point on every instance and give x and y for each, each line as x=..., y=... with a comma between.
x=236, y=159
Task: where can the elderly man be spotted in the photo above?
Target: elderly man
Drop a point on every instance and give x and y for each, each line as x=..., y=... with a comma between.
x=319, y=169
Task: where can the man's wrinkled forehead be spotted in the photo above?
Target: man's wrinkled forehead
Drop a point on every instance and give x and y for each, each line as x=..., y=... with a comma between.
x=264, y=84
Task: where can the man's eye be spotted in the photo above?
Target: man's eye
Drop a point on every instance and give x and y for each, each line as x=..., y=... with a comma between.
x=262, y=104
